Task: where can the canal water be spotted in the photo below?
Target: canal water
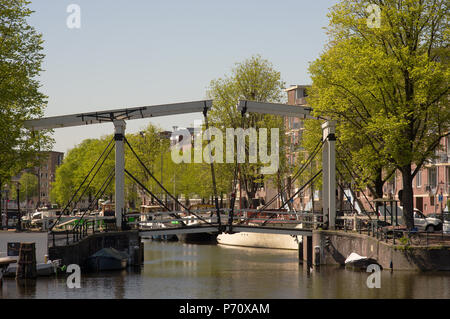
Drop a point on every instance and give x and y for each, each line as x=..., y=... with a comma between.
x=177, y=270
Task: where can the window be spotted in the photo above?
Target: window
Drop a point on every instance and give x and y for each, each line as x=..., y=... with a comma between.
x=432, y=177
x=447, y=174
x=299, y=93
x=297, y=125
x=431, y=200
x=419, y=179
x=448, y=145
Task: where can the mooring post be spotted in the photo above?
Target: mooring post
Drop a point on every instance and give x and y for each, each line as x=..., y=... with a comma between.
x=119, y=135
x=300, y=251
x=26, y=268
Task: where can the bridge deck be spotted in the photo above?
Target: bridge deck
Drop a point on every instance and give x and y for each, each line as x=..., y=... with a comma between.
x=236, y=229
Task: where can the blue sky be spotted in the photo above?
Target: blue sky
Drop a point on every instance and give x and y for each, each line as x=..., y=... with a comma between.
x=135, y=53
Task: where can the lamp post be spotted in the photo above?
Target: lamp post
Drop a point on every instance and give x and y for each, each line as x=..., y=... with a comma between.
x=18, y=225
x=441, y=196
x=6, y=205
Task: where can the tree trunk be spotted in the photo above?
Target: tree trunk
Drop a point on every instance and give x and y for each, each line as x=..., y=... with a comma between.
x=408, y=196
x=378, y=183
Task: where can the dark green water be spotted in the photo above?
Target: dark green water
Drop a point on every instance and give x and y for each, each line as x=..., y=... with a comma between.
x=176, y=270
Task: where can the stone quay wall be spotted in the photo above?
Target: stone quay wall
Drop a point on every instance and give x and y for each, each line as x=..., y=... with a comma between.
x=336, y=246
x=77, y=253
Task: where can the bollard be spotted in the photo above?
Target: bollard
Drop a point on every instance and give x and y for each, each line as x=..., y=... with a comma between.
x=300, y=252
x=26, y=268
x=67, y=237
x=317, y=256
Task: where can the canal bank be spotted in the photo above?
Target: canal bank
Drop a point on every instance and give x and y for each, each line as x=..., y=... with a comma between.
x=327, y=247
x=78, y=253
x=177, y=270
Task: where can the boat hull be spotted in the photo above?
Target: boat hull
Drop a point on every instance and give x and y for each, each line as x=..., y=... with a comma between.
x=196, y=238
x=257, y=240
x=106, y=263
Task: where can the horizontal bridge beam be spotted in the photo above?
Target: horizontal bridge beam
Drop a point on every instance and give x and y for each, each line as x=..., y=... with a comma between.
x=276, y=109
x=178, y=230
x=117, y=115
x=236, y=229
x=272, y=230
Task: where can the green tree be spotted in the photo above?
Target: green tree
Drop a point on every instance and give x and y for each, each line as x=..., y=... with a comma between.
x=76, y=166
x=147, y=144
x=20, y=98
x=387, y=86
x=28, y=187
x=254, y=79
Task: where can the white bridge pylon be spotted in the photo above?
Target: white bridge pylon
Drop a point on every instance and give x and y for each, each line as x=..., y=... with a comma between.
x=118, y=117
x=328, y=152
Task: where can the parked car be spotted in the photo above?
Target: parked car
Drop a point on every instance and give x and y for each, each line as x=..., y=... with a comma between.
x=421, y=222
x=446, y=224
x=426, y=223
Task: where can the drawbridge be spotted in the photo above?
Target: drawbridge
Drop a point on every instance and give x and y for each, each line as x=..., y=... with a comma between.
x=168, y=221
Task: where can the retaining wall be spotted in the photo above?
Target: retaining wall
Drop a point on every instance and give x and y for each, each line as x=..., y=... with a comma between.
x=336, y=246
x=77, y=253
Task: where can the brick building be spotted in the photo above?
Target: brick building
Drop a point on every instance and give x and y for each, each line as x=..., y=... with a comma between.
x=294, y=131
x=46, y=175
x=431, y=185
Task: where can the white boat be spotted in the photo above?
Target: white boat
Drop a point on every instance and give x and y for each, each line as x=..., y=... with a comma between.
x=257, y=240
x=264, y=240
x=42, y=269
x=357, y=262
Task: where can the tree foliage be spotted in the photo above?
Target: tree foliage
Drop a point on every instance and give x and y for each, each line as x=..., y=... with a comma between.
x=386, y=86
x=28, y=187
x=20, y=98
x=254, y=79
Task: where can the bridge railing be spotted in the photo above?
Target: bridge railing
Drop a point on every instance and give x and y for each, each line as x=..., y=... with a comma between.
x=243, y=216
x=71, y=229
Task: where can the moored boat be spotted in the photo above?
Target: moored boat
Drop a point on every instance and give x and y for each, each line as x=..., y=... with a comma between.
x=263, y=240
x=357, y=262
x=256, y=240
x=108, y=259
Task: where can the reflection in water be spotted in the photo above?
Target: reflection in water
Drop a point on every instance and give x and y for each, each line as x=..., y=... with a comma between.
x=176, y=270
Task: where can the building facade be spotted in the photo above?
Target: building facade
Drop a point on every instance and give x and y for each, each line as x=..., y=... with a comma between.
x=431, y=185
x=294, y=132
x=46, y=175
